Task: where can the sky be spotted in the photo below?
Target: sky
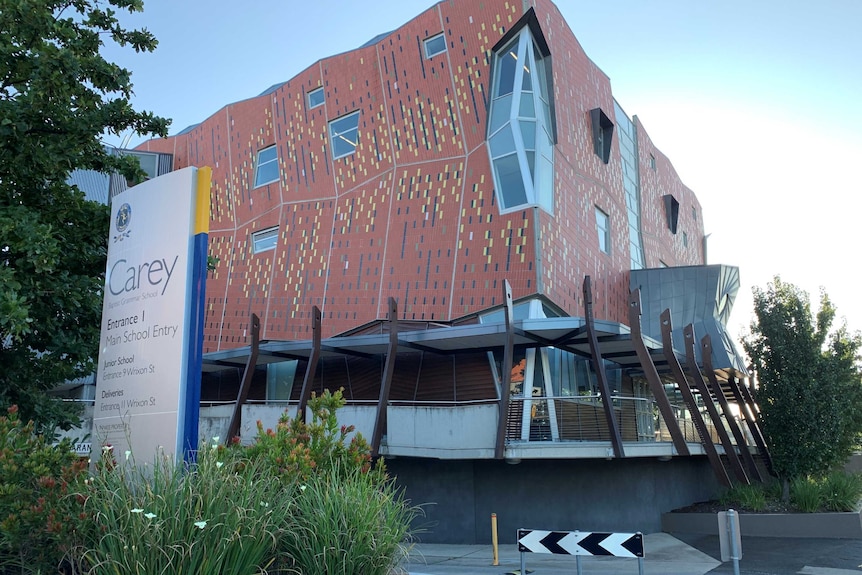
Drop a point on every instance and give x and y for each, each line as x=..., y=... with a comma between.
x=756, y=104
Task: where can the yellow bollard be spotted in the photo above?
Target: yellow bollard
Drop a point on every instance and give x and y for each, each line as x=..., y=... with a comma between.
x=494, y=539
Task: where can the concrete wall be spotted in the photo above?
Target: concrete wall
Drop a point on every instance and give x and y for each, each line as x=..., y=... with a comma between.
x=587, y=495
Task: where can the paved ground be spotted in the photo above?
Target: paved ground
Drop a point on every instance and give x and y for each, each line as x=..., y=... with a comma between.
x=780, y=556
x=666, y=554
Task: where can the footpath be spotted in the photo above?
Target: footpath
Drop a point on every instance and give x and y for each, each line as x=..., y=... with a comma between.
x=665, y=554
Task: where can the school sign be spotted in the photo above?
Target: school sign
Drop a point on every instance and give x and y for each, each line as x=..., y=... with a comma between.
x=148, y=378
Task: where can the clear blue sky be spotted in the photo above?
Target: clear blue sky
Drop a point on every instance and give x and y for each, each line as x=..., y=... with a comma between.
x=757, y=104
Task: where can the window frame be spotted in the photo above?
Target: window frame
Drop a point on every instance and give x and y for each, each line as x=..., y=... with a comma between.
x=428, y=40
x=258, y=164
x=603, y=231
x=333, y=136
x=314, y=92
x=264, y=235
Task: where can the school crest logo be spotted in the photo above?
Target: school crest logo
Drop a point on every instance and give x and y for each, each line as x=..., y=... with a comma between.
x=122, y=221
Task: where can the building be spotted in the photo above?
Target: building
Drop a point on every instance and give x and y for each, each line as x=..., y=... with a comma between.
x=459, y=225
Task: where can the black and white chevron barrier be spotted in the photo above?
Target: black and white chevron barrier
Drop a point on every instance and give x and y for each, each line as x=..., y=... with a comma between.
x=581, y=543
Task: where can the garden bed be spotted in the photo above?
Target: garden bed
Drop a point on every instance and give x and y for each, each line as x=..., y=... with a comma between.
x=844, y=525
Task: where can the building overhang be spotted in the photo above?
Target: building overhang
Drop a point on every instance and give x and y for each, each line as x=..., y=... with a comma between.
x=565, y=333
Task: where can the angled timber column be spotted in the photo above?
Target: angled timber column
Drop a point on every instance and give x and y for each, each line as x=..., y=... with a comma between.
x=388, y=368
x=754, y=408
x=245, y=385
x=651, y=374
x=682, y=382
x=506, y=372
x=706, y=356
x=700, y=384
x=748, y=415
x=311, y=368
x=599, y=369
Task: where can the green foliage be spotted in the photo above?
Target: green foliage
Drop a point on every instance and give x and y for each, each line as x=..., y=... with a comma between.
x=41, y=518
x=746, y=497
x=837, y=491
x=163, y=518
x=58, y=96
x=841, y=491
x=810, y=390
x=346, y=521
x=348, y=516
x=295, y=450
x=322, y=509
x=805, y=494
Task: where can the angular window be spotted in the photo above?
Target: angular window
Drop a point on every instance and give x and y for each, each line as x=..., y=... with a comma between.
x=264, y=240
x=671, y=208
x=266, y=170
x=434, y=45
x=315, y=98
x=344, y=135
x=652, y=162
x=603, y=226
x=603, y=134
x=521, y=130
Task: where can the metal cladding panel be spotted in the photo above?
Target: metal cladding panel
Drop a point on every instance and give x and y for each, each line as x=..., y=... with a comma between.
x=699, y=295
x=94, y=185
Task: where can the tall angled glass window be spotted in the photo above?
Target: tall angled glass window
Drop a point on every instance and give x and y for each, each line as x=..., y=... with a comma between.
x=520, y=126
x=344, y=134
x=266, y=170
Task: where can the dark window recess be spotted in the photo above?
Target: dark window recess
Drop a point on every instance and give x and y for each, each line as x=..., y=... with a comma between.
x=603, y=133
x=671, y=208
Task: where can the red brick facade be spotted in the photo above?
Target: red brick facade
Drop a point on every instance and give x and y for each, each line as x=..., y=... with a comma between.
x=412, y=214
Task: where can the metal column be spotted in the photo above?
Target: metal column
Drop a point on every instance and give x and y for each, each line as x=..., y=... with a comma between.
x=505, y=372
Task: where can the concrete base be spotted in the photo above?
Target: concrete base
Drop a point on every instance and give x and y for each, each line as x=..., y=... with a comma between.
x=620, y=495
x=820, y=525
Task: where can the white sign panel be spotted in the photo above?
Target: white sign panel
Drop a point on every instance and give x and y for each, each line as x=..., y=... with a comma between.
x=141, y=378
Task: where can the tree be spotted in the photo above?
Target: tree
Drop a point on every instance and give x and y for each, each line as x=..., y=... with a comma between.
x=810, y=390
x=58, y=97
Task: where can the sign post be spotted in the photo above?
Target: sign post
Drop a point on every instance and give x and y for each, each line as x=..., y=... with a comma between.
x=148, y=378
x=730, y=538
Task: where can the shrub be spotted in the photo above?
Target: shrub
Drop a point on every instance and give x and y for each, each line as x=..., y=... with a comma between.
x=41, y=520
x=805, y=494
x=347, y=522
x=841, y=491
x=746, y=497
x=295, y=449
x=348, y=516
x=219, y=516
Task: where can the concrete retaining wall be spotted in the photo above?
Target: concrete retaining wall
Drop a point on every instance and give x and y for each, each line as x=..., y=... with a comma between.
x=586, y=495
x=827, y=525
